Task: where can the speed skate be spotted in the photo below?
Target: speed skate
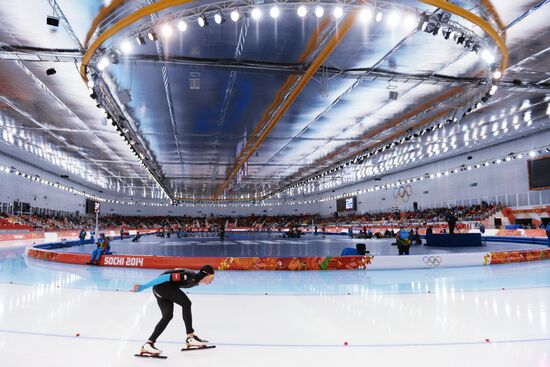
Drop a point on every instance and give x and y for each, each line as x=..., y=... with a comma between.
x=147, y=355
x=196, y=347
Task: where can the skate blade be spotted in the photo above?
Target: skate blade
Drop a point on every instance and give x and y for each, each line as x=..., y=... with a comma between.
x=150, y=356
x=188, y=349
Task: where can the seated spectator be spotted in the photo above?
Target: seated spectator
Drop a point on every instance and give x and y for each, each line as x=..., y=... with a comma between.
x=136, y=237
x=359, y=250
x=102, y=247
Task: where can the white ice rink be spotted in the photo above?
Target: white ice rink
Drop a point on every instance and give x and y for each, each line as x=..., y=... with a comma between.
x=432, y=317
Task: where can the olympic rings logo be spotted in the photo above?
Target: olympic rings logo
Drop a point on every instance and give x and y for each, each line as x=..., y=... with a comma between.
x=402, y=192
x=432, y=260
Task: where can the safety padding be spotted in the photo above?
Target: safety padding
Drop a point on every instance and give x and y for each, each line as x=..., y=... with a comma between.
x=221, y=263
x=454, y=240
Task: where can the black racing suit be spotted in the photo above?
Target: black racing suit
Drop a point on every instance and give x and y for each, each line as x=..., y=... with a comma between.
x=169, y=293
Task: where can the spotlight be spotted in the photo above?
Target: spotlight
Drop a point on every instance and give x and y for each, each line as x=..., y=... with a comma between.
x=256, y=13
x=365, y=15
x=103, y=63
x=152, y=35
x=90, y=83
x=302, y=11
x=447, y=33
x=488, y=56
x=274, y=12
x=379, y=16
x=166, y=30
x=423, y=22
x=50, y=71
x=435, y=32
x=182, y=26
x=410, y=21
x=235, y=15
x=202, y=21
x=319, y=11
x=338, y=12
x=497, y=74
x=140, y=40
x=460, y=39
x=493, y=90
x=219, y=18
x=422, y=26
x=126, y=47
x=393, y=19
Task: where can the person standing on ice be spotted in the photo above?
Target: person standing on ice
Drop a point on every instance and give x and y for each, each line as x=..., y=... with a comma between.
x=166, y=289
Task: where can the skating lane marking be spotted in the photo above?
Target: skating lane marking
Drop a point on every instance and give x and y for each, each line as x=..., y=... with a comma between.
x=266, y=345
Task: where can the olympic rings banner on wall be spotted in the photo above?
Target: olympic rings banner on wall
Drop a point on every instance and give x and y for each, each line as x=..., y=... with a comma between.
x=402, y=192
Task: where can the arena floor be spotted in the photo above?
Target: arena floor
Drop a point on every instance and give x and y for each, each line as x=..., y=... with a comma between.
x=262, y=245
x=53, y=314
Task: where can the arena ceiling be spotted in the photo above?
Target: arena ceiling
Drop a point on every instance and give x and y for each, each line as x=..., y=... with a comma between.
x=241, y=110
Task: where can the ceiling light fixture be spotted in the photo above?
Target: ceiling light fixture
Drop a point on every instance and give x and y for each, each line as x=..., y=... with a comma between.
x=126, y=47
x=338, y=12
x=410, y=21
x=393, y=19
x=166, y=30
x=218, y=17
x=182, y=26
x=488, y=56
x=202, y=21
x=319, y=11
x=235, y=15
x=274, y=12
x=140, y=40
x=152, y=35
x=365, y=15
x=103, y=63
x=256, y=14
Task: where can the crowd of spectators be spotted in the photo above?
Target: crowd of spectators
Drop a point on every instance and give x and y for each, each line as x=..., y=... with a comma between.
x=426, y=217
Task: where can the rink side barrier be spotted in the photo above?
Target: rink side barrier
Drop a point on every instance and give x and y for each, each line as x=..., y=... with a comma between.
x=72, y=235
x=63, y=236
x=300, y=263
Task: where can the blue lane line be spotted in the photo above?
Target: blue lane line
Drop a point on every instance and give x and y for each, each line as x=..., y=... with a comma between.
x=259, y=345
